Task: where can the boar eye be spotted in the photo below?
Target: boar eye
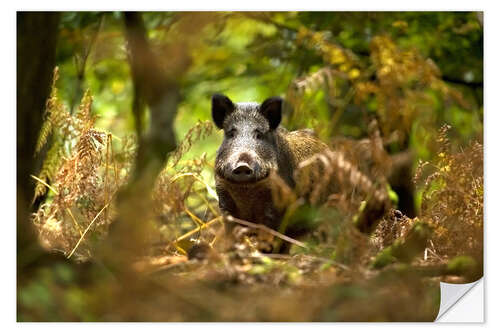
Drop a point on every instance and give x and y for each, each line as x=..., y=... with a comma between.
x=259, y=135
x=230, y=134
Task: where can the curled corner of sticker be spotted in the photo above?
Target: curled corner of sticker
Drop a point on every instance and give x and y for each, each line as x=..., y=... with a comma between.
x=451, y=294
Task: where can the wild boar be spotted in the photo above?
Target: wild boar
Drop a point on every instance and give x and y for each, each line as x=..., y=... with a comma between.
x=254, y=147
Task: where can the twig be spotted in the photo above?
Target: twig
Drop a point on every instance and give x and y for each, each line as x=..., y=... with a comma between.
x=44, y=183
x=328, y=261
x=74, y=220
x=195, y=218
x=86, y=230
x=267, y=229
x=206, y=202
x=108, y=142
x=434, y=253
x=113, y=159
x=211, y=192
x=190, y=233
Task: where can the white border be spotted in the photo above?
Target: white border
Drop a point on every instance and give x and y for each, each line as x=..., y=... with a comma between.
x=492, y=108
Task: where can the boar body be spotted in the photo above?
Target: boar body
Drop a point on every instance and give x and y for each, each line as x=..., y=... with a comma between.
x=255, y=149
x=253, y=201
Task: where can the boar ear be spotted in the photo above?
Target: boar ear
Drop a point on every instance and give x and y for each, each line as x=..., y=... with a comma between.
x=271, y=109
x=221, y=107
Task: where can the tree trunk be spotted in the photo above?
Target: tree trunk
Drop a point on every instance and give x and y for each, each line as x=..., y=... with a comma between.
x=36, y=51
x=159, y=90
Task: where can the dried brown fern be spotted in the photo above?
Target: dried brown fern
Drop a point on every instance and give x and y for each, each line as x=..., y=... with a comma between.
x=55, y=126
x=452, y=198
x=201, y=130
x=183, y=200
x=396, y=80
x=73, y=165
x=330, y=174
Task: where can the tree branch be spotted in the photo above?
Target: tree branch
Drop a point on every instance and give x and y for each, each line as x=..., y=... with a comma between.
x=159, y=92
x=453, y=80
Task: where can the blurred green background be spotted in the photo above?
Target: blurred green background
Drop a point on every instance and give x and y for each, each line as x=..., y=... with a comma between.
x=250, y=56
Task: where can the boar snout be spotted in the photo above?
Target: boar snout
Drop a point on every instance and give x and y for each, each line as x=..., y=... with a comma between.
x=242, y=172
x=245, y=170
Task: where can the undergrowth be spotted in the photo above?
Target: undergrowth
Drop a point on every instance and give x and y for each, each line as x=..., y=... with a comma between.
x=85, y=167
x=336, y=266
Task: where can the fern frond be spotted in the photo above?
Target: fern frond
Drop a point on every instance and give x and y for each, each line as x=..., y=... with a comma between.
x=90, y=144
x=84, y=116
x=52, y=106
x=43, y=136
x=49, y=167
x=201, y=130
